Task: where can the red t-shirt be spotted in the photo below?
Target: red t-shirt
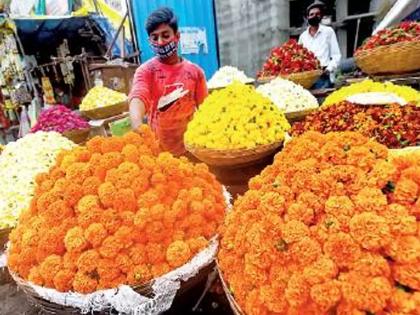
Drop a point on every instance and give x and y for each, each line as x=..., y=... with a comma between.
x=155, y=79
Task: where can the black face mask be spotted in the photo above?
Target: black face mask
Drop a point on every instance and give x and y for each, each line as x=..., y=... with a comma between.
x=314, y=21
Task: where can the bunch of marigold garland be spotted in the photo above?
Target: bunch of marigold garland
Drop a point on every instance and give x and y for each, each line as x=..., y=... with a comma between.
x=332, y=227
x=115, y=212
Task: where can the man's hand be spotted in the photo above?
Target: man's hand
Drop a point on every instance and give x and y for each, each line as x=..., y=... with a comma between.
x=137, y=112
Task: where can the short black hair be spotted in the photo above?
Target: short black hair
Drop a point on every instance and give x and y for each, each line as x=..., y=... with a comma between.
x=160, y=16
x=317, y=4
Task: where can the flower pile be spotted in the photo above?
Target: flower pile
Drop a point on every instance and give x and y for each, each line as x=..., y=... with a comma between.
x=392, y=125
x=289, y=58
x=236, y=117
x=59, y=118
x=101, y=96
x=332, y=227
x=20, y=162
x=115, y=212
x=404, y=32
x=407, y=93
x=226, y=75
x=288, y=96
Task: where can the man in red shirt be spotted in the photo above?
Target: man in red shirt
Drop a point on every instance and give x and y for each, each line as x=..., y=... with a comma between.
x=162, y=75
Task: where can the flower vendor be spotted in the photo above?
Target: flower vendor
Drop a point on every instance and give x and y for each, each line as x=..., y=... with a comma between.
x=156, y=81
x=322, y=41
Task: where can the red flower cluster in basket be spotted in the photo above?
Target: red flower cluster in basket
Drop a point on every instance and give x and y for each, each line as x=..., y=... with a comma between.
x=289, y=58
x=404, y=32
x=393, y=125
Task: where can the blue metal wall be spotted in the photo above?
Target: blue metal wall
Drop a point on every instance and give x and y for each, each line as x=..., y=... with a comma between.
x=190, y=13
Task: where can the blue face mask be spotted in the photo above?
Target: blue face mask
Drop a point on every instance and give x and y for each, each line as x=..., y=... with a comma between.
x=166, y=50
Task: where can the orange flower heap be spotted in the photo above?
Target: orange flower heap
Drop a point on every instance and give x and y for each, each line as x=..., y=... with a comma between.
x=332, y=227
x=115, y=212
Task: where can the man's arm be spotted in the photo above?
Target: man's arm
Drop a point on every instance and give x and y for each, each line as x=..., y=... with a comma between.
x=334, y=52
x=139, y=97
x=137, y=112
x=201, y=92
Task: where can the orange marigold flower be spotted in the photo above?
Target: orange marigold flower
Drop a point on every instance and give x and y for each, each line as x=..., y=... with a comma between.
x=178, y=253
x=77, y=173
x=370, y=199
x=74, y=240
x=73, y=193
x=88, y=260
x=95, y=234
x=111, y=220
x=326, y=295
x=139, y=274
x=113, y=144
x=404, y=249
x=305, y=251
x=87, y=203
x=110, y=247
x=297, y=291
x=155, y=253
x=300, y=212
x=91, y=185
x=371, y=265
x=294, y=231
x=124, y=263
x=125, y=200
x=406, y=191
x=63, y=280
x=94, y=144
x=197, y=244
x=160, y=269
x=320, y=271
x=49, y=268
x=35, y=276
x=371, y=231
x=342, y=249
x=106, y=270
x=130, y=153
x=83, y=283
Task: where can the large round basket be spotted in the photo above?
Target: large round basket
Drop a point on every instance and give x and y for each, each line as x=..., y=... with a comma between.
x=78, y=136
x=306, y=78
x=236, y=309
x=106, y=112
x=395, y=58
x=48, y=307
x=233, y=157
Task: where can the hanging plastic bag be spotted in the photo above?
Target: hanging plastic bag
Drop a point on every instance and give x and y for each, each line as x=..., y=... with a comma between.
x=25, y=126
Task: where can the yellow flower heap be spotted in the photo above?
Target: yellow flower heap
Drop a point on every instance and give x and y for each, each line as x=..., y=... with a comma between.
x=236, y=117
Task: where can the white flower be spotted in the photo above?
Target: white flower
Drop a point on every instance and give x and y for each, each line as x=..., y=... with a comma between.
x=288, y=96
x=20, y=162
x=226, y=75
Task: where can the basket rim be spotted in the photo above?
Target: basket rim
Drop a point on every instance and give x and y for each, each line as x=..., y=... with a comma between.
x=239, y=150
x=94, y=110
x=285, y=76
x=380, y=49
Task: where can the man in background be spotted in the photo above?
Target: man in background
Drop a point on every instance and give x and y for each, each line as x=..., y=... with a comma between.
x=322, y=41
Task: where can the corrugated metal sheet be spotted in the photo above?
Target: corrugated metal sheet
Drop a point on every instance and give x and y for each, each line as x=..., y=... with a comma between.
x=191, y=13
x=248, y=29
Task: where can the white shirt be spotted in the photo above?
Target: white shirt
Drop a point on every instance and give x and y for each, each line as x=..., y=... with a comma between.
x=324, y=45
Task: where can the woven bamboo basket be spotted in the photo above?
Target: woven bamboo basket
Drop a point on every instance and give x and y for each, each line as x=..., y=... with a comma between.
x=106, y=112
x=299, y=115
x=78, y=136
x=236, y=309
x=305, y=78
x=234, y=157
x=395, y=58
